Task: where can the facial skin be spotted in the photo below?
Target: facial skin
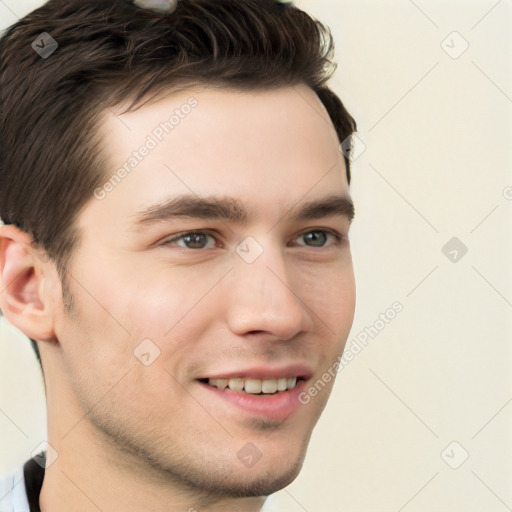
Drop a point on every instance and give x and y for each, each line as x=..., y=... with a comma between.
x=133, y=437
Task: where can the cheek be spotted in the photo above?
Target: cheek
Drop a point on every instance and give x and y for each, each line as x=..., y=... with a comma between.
x=171, y=304
x=107, y=378
x=330, y=294
x=134, y=300
x=123, y=306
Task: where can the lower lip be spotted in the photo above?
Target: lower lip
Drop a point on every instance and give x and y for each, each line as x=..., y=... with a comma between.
x=275, y=407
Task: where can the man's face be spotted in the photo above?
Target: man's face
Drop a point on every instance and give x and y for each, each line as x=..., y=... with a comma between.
x=269, y=298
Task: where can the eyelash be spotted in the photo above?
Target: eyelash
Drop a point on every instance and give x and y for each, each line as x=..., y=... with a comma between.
x=338, y=238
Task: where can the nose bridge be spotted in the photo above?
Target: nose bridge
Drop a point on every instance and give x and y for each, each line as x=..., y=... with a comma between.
x=264, y=297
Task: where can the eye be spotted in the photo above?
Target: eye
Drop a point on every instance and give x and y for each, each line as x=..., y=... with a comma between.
x=319, y=237
x=199, y=239
x=191, y=240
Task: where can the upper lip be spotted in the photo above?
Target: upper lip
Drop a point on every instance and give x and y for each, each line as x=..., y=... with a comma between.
x=264, y=372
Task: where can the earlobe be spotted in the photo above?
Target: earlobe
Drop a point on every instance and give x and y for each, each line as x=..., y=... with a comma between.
x=22, y=286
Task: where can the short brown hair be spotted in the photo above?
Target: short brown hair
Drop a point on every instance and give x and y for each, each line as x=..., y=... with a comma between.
x=110, y=51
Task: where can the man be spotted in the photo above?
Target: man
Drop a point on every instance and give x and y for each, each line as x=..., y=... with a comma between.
x=176, y=208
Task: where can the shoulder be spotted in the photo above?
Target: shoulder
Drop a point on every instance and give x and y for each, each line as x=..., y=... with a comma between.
x=13, y=497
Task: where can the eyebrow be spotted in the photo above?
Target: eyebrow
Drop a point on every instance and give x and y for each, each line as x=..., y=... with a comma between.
x=232, y=210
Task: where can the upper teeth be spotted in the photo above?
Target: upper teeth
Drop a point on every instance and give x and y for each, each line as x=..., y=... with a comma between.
x=255, y=386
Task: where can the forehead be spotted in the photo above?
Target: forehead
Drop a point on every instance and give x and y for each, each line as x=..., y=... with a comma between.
x=269, y=147
x=228, y=121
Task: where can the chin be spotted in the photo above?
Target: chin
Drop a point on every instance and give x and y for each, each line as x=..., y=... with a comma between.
x=263, y=482
x=280, y=466
x=228, y=478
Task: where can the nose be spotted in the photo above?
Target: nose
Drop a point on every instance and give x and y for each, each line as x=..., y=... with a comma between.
x=265, y=298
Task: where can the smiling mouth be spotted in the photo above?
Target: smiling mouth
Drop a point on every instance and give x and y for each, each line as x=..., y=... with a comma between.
x=262, y=387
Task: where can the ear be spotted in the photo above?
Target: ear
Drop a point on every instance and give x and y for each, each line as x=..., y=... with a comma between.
x=23, y=276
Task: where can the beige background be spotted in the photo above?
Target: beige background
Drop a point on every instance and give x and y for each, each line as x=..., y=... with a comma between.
x=437, y=132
